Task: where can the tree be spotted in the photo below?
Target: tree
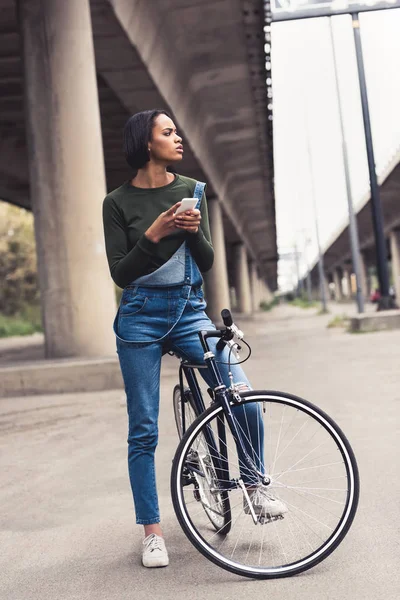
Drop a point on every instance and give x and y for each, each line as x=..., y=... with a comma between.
x=18, y=270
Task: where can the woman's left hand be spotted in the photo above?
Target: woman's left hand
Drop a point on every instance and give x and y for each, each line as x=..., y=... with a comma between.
x=189, y=220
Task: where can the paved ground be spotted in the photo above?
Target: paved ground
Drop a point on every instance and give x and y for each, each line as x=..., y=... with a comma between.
x=66, y=520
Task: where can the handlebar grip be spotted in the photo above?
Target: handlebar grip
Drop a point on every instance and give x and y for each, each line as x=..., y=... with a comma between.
x=226, y=317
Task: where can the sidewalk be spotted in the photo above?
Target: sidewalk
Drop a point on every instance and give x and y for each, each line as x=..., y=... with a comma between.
x=67, y=527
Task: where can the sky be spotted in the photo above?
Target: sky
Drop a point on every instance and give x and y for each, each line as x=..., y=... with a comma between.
x=305, y=107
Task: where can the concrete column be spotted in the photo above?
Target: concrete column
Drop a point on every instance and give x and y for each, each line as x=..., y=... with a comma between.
x=337, y=280
x=216, y=280
x=265, y=293
x=327, y=289
x=347, y=277
x=395, y=252
x=255, y=287
x=363, y=275
x=67, y=178
x=242, y=279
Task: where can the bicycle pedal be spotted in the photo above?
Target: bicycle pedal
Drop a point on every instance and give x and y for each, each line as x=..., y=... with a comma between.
x=267, y=519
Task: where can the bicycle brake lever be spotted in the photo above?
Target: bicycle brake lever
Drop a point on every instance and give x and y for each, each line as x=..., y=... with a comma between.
x=236, y=331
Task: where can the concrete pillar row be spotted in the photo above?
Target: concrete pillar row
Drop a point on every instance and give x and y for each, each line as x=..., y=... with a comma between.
x=395, y=252
x=67, y=179
x=337, y=280
x=216, y=280
x=242, y=279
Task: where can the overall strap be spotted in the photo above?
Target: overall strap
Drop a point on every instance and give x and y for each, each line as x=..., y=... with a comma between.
x=198, y=192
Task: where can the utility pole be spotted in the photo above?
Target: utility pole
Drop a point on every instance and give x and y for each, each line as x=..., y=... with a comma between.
x=377, y=217
x=354, y=241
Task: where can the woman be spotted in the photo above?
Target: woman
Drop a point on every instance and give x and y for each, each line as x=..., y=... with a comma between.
x=157, y=257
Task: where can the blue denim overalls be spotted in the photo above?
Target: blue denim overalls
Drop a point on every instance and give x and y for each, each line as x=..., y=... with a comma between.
x=158, y=312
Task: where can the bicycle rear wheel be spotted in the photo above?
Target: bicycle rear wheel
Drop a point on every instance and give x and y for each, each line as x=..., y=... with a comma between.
x=313, y=472
x=187, y=407
x=201, y=468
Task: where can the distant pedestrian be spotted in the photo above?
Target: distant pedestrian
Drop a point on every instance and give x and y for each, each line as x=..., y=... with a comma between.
x=375, y=296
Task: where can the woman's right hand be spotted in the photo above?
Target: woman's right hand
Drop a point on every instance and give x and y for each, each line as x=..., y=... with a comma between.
x=163, y=225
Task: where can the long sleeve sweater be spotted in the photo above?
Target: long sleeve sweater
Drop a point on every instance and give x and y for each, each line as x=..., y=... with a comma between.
x=129, y=211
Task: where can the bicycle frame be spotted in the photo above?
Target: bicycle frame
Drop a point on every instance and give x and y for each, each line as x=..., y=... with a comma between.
x=222, y=396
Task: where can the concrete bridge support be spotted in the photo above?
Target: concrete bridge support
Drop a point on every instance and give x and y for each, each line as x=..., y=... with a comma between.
x=347, y=277
x=67, y=177
x=216, y=280
x=395, y=252
x=242, y=279
x=364, y=275
x=337, y=280
x=255, y=287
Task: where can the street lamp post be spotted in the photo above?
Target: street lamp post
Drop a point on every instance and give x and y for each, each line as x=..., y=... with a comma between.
x=354, y=243
x=385, y=301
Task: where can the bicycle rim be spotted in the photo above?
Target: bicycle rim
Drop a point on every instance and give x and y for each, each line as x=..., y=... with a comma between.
x=313, y=473
x=190, y=414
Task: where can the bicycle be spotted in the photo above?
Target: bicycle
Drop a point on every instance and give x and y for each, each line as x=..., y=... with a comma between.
x=301, y=456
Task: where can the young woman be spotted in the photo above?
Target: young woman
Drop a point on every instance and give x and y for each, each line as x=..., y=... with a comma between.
x=157, y=257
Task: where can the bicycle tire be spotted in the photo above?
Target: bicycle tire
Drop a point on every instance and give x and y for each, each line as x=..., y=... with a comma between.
x=339, y=443
x=177, y=403
x=220, y=518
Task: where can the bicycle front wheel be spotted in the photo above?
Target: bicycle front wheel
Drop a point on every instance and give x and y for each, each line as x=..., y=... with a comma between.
x=313, y=473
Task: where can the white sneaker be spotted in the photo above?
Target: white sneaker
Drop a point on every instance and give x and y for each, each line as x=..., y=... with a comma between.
x=154, y=552
x=264, y=503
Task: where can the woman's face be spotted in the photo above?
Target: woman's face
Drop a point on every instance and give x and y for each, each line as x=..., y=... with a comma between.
x=165, y=145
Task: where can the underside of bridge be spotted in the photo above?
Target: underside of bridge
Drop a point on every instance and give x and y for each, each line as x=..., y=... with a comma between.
x=339, y=251
x=202, y=60
x=337, y=255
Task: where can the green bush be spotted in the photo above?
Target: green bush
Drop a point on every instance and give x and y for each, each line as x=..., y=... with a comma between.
x=18, y=272
x=25, y=323
x=302, y=303
x=269, y=305
x=339, y=321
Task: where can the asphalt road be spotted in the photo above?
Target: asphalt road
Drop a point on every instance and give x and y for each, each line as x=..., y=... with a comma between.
x=67, y=527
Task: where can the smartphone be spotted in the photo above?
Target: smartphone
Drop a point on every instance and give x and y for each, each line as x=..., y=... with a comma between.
x=187, y=204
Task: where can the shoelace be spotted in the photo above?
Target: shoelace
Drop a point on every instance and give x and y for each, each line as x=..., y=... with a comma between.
x=154, y=543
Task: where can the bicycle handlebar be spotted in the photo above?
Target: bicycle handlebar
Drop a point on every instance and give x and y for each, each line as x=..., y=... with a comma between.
x=227, y=334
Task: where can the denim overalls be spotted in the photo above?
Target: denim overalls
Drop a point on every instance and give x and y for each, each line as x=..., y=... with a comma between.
x=159, y=312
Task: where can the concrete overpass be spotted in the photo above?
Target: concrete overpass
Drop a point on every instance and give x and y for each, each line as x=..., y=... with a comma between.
x=337, y=253
x=70, y=75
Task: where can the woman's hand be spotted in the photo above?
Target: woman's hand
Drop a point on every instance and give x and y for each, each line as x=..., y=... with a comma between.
x=164, y=225
x=189, y=220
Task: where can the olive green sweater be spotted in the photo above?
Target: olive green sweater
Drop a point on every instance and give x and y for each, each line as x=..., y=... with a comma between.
x=129, y=211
